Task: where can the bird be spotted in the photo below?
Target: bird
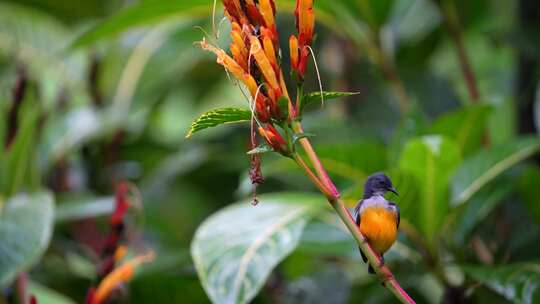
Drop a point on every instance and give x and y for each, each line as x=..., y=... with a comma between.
x=376, y=218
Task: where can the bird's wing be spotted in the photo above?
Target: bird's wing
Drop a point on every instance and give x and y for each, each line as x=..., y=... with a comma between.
x=357, y=212
x=397, y=212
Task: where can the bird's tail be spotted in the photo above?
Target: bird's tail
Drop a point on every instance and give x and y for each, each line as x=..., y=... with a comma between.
x=364, y=258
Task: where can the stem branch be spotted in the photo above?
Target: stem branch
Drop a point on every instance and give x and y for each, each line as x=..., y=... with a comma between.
x=22, y=284
x=321, y=172
x=451, y=19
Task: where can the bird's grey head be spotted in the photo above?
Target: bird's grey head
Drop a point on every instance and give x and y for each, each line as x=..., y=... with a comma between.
x=378, y=184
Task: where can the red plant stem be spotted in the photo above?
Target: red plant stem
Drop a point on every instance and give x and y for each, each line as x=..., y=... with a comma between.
x=312, y=176
x=22, y=286
x=321, y=172
x=454, y=29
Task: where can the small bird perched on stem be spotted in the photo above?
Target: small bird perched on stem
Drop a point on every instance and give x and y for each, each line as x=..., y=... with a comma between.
x=377, y=218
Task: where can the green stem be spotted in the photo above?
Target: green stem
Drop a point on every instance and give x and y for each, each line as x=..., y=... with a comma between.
x=299, y=93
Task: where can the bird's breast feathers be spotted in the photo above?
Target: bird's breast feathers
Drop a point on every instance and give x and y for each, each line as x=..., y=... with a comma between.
x=378, y=223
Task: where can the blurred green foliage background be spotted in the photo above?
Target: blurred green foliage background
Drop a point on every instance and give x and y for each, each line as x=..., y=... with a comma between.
x=94, y=92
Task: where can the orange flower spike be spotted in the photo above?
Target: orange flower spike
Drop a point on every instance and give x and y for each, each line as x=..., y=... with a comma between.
x=225, y=60
x=262, y=109
x=238, y=46
x=273, y=138
x=239, y=56
x=230, y=11
x=251, y=84
x=234, y=9
x=293, y=49
x=237, y=37
x=119, y=276
x=253, y=12
x=264, y=64
x=305, y=21
x=269, y=50
x=120, y=253
x=232, y=67
x=302, y=65
x=268, y=12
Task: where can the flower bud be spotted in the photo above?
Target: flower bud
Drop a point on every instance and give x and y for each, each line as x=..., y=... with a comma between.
x=273, y=138
x=293, y=49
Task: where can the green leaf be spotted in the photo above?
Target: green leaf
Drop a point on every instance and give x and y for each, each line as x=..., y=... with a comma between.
x=37, y=41
x=481, y=168
x=26, y=225
x=68, y=132
x=431, y=160
x=45, y=295
x=218, y=117
x=411, y=125
x=315, y=97
x=18, y=159
x=527, y=186
x=519, y=283
x=263, y=148
x=144, y=13
x=355, y=160
x=408, y=187
x=469, y=215
x=327, y=235
x=236, y=249
x=466, y=126
x=413, y=20
x=84, y=209
x=298, y=136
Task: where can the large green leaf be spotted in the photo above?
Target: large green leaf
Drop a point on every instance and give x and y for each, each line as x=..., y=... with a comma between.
x=481, y=168
x=519, y=283
x=218, y=117
x=26, y=225
x=143, y=13
x=431, y=160
x=236, y=249
x=466, y=126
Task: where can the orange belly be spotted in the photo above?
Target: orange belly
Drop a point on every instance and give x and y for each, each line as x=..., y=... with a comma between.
x=379, y=226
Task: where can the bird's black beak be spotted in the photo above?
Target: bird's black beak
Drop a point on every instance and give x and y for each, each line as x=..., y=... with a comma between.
x=393, y=190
